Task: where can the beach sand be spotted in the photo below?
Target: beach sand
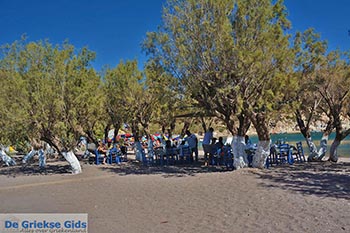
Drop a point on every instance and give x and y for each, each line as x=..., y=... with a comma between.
x=132, y=198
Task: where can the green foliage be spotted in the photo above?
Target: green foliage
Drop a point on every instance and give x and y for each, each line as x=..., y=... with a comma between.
x=128, y=99
x=229, y=55
x=163, y=90
x=54, y=90
x=230, y=59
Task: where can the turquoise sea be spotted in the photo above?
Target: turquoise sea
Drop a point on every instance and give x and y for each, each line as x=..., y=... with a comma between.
x=293, y=138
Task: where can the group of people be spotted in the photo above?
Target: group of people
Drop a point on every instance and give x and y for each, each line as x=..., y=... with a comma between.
x=113, y=148
x=190, y=142
x=212, y=147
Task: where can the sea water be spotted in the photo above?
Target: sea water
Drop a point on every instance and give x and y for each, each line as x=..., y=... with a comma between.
x=292, y=138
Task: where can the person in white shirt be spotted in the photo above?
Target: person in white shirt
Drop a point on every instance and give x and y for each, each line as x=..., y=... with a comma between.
x=192, y=142
x=208, y=136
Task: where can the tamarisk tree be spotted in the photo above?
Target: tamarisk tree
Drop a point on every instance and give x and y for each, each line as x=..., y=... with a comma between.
x=57, y=89
x=310, y=58
x=232, y=58
x=334, y=83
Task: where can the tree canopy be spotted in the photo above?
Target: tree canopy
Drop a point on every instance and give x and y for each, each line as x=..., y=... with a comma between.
x=235, y=60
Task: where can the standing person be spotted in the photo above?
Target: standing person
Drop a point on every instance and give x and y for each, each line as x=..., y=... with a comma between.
x=208, y=136
x=249, y=150
x=192, y=142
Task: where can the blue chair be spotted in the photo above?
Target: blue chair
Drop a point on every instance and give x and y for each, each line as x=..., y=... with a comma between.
x=187, y=154
x=142, y=157
x=159, y=155
x=98, y=157
x=148, y=159
x=228, y=157
x=285, y=154
x=172, y=155
x=124, y=153
x=272, y=158
x=218, y=156
x=300, y=152
x=114, y=154
x=183, y=153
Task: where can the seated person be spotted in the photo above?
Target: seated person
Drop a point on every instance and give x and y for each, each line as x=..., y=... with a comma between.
x=182, y=148
x=213, y=149
x=114, y=149
x=219, y=150
x=102, y=150
x=170, y=149
x=168, y=144
x=157, y=144
x=220, y=143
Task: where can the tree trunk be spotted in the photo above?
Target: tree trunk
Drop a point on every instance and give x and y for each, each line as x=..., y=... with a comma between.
x=238, y=143
x=263, y=149
x=73, y=161
x=333, y=152
x=69, y=156
x=204, y=125
x=317, y=155
x=135, y=132
x=29, y=156
x=106, y=130
x=172, y=128
x=6, y=159
x=261, y=154
x=323, y=147
x=185, y=127
x=244, y=124
x=42, y=158
x=304, y=129
x=116, y=130
x=339, y=136
x=238, y=149
x=138, y=151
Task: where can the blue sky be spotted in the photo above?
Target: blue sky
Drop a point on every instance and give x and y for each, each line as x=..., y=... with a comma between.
x=114, y=29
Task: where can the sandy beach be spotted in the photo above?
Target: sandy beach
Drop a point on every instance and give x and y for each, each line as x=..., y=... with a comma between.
x=132, y=198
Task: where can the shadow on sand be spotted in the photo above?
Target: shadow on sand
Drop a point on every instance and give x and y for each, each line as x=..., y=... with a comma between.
x=131, y=167
x=323, y=179
x=135, y=168
x=34, y=169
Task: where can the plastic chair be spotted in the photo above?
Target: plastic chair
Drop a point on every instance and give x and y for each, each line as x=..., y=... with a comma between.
x=98, y=157
x=228, y=157
x=142, y=157
x=300, y=151
x=272, y=158
x=171, y=155
x=284, y=154
x=217, y=157
x=124, y=153
x=148, y=159
x=187, y=154
x=116, y=154
x=159, y=155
